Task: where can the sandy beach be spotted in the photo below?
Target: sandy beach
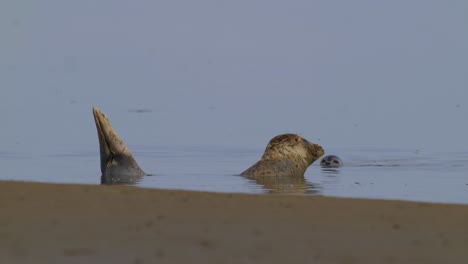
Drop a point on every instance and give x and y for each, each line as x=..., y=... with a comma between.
x=55, y=223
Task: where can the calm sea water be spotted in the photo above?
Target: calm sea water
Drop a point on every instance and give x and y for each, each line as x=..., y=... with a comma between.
x=367, y=173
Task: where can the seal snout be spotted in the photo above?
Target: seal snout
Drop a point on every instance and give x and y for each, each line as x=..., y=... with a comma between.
x=316, y=150
x=319, y=151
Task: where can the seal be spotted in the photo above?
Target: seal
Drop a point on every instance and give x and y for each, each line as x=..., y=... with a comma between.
x=116, y=159
x=286, y=155
x=331, y=161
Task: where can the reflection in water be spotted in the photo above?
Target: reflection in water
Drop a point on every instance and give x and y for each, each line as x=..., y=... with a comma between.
x=331, y=177
x=331, y=171
x=127, y=180
x=288, y=185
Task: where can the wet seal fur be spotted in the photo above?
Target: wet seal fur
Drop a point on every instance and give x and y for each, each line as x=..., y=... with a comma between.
x=286, y=155
x=331, y=161
x=116, y=160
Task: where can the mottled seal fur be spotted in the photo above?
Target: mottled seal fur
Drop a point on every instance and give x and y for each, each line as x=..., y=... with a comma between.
x=116, y=159
x=331, y=161
x=286, y=155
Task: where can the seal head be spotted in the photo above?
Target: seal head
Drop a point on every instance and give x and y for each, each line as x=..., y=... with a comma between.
x=285, y=155
x=116, y=159
x=331, y=161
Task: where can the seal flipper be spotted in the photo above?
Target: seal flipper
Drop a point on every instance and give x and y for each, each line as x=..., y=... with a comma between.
x=116, y=159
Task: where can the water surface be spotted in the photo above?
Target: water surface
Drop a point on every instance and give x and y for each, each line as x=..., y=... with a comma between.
x=367, y=173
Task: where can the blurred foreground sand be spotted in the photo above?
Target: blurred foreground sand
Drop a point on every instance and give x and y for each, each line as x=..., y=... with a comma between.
x=54, y=223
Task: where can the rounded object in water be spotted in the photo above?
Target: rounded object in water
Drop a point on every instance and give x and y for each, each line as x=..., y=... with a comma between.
x=331, y=161
x=286, y=155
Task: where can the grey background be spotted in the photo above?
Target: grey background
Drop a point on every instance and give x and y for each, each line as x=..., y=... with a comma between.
x=234, y=73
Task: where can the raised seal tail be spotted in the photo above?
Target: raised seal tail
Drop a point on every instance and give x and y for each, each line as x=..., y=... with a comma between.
x=116, y=159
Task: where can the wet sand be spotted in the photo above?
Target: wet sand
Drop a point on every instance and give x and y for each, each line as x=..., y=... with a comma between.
x=53, y=223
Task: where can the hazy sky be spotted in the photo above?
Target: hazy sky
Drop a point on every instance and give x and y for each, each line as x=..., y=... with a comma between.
x=341, y=73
